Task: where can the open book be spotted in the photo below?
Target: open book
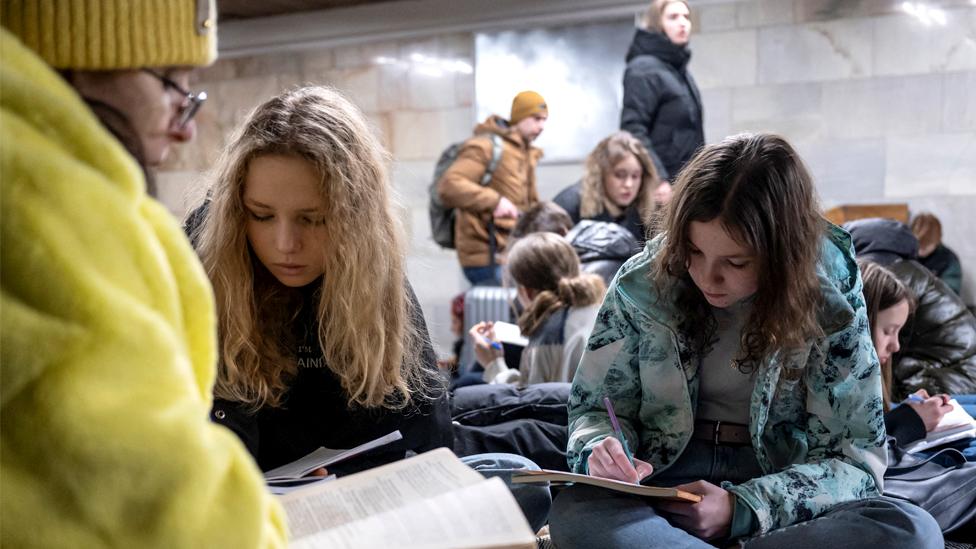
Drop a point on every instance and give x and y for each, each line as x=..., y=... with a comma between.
x=428, y=501
x=323, y=457
x=559, y=477
x=955, y=425
x=292, y=476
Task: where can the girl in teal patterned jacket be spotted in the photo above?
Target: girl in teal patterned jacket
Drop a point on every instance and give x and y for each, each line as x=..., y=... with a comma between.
x=736, y=353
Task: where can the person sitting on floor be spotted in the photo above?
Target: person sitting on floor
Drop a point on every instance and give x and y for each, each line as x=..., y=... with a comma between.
x=938, y=344
x=560, y=308
x=736, y=353
x=322, y=341
x=933, y=254
x=889, y=304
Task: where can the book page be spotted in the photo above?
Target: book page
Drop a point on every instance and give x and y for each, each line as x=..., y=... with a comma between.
x=324, y=457
x=484, y=514
x=356, y=497
x=954, y=418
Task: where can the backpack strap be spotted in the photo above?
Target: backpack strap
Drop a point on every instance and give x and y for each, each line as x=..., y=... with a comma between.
x=496, y=156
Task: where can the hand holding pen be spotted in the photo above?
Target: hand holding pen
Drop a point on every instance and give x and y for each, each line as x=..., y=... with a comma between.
x=486, y=347
x=611, y=457
x=930, y=409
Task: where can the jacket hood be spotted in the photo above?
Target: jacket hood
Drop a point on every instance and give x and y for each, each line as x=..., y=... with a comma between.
x=498, y=125
x=658, y=45
x=596, y=240
x=882, y=240
x=837, y=272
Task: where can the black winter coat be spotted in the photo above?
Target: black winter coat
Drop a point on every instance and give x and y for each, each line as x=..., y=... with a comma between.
x=938, y=343
x=315, y=413
x=661, y=105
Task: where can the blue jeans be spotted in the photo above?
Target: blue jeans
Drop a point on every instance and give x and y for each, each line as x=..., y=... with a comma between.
x=534, y=499
x=483, y=276
x=583, y=516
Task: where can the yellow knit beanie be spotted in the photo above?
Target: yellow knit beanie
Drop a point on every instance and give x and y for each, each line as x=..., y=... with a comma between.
x=525, y=105
x=115, y=34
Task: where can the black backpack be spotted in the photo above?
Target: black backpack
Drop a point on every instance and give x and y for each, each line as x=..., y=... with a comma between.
x=442, y=217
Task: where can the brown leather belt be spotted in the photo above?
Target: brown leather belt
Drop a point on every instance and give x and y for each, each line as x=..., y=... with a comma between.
x=721, y=432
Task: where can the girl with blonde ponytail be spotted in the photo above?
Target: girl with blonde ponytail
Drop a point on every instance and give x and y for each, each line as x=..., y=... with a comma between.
x=560, y=304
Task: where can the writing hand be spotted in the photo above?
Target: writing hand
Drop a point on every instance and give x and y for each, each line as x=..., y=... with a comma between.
x=708, y=519
x=608, y=460
x=486, y=348
x=931, y=409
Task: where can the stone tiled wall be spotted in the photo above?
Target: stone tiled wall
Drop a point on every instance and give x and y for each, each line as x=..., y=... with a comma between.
x=882, y=107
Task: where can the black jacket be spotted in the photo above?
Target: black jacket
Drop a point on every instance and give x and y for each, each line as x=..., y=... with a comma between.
x=315, y=413
x=938, y=343
x=570, y=197
x=661, y=105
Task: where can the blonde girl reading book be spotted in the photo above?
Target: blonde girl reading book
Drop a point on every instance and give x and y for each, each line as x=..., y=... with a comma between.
x=322, y=342
x=736, y=352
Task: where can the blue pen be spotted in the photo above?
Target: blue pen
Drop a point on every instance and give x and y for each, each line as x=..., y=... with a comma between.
x=914, y=398
x=496, y=345
x=616, y=428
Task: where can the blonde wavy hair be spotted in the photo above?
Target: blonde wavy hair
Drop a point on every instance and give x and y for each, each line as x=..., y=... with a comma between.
x=599, y=164
x=547, y=263
x=364, y=312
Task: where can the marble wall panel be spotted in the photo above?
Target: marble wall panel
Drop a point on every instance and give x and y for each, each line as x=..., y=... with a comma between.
x=714, y=18
x=931, y=165
x=792, y=110
x=717, y=112
x=883, y=106
x=845, y=171
x=905, y=45
x=419, y=135
x=762, y=13
x=815, y=51
x=959, y=102
x=360, y=84
x=724, y=59
x=361, y=55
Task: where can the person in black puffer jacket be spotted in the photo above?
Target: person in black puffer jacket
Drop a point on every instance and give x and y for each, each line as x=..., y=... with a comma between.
x=661, y=104
x=938, y=344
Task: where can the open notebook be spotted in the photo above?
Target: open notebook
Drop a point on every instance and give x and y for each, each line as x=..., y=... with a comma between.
x=955, y=425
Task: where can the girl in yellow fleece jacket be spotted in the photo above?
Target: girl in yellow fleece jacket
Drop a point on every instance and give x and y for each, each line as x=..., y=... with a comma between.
x=108, y=327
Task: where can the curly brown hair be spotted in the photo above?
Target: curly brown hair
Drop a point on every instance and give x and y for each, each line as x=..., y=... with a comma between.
x=762, y=194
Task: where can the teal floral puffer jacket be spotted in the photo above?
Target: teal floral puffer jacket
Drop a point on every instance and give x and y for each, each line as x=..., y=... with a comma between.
x=816, y=413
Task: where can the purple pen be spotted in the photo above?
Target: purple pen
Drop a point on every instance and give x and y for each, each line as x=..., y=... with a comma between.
x=616, y=428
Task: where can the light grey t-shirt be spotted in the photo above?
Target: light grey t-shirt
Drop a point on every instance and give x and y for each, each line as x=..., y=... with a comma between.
x=724, y=391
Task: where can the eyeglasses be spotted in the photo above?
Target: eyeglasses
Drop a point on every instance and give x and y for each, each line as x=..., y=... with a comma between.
x=190, y=105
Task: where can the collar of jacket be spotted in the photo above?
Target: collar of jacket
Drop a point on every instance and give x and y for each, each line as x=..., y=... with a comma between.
x=659, y=45
x=837, y=273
